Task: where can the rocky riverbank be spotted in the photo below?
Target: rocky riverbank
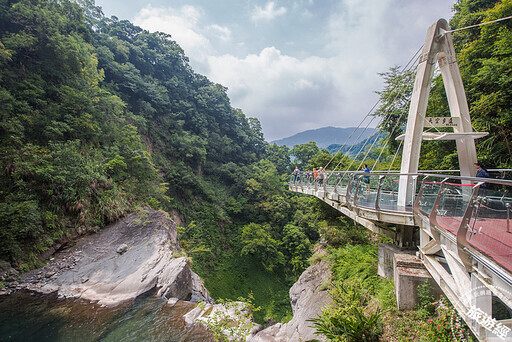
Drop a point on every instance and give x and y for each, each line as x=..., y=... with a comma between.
x=122, y=261
x=140, y=253
x=307, y=296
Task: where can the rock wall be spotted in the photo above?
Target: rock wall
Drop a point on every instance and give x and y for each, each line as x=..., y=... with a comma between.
x=119, y=263
x=308, y=296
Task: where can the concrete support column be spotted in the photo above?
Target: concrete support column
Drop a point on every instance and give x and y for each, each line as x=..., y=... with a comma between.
x=481, y=298
x=405, y=236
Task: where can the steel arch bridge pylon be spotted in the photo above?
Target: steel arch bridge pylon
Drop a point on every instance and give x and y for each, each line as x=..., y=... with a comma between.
x=438, y=48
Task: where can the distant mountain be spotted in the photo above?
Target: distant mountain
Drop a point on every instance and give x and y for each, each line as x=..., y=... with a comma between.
x=360, y=146
x=326, y=136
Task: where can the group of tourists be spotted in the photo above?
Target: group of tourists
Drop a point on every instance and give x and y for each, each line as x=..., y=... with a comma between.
x=319, y=174
x=310, y=176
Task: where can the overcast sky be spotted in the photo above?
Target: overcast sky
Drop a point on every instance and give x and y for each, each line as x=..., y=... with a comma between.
x=293, y=64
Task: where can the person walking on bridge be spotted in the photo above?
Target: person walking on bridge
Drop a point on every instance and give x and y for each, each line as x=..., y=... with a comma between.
x=321, y=175
x=308, y=176
x=296, y=173
x=481, y=171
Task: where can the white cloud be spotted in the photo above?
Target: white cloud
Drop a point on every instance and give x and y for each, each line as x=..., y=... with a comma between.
x=357, y=39
x=269, y=12
x=221, y=32
x=182, y=24
x=287, y=94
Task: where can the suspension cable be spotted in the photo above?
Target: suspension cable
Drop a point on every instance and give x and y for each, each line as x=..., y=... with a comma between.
x=401, y=115
x=396, y=153
x=345, y=155
x=414, y=57
x=403, y=86
x=350, y=136
x=443, y=32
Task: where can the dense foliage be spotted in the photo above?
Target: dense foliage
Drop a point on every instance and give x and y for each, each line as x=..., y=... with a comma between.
x=99, y=117
x=70, y=156
x=486, y=67
x=95, y=118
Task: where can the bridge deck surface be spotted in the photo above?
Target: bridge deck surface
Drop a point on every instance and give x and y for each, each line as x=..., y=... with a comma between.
x=488, y=235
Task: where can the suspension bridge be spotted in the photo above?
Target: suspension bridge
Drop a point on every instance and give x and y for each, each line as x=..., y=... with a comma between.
x=458, y=224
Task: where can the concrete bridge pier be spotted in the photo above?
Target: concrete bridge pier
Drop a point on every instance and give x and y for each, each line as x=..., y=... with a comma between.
x=406, y=236
x=408, y=272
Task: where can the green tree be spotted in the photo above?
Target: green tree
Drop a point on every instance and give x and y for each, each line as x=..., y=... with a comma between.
x=298, y=248
x=257, y=241
x=394, y=103
x=280, y=157
x=303, y=154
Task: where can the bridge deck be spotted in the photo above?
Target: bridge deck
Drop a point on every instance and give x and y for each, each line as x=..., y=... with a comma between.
x=461, y=219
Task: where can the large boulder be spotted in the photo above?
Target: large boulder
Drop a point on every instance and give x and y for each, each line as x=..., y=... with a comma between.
x=308, y=296
x=124, y=260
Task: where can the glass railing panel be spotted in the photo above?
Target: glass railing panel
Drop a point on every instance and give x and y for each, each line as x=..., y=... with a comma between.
x=343, y=180
x=490, y=229
x=306, y=179
x=367, y=192
x=353, y=187
x=338, y=185
x=453, y=202
x=292, y=180
x=330, y=181
x=388, y=197
x=429, y=195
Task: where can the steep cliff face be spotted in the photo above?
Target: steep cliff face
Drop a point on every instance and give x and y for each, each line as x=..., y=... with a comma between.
x=308, y=296
x=124, y=260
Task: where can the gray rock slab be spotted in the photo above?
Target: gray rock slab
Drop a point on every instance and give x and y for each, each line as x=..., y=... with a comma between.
x=95, y=270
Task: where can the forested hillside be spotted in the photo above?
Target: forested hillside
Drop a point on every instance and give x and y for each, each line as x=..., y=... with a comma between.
x=99, y=118
x=326, y=136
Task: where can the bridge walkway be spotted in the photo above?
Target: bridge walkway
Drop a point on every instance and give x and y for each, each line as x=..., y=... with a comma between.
x=460, y=226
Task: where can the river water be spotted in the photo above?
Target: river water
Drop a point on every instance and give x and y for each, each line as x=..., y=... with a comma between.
x=30, y=317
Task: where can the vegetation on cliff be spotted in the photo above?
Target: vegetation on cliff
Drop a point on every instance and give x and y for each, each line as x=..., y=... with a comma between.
x=99, y=117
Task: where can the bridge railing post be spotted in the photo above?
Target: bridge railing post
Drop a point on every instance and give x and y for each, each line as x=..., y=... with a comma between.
x=416, y=206
x=340, y=178
x=336, y=181
x=462, y=241
x=326, y=179
x=358, y=184
x=377, y=197
x=349, y=188
x=433, y=212
x=414, y=189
